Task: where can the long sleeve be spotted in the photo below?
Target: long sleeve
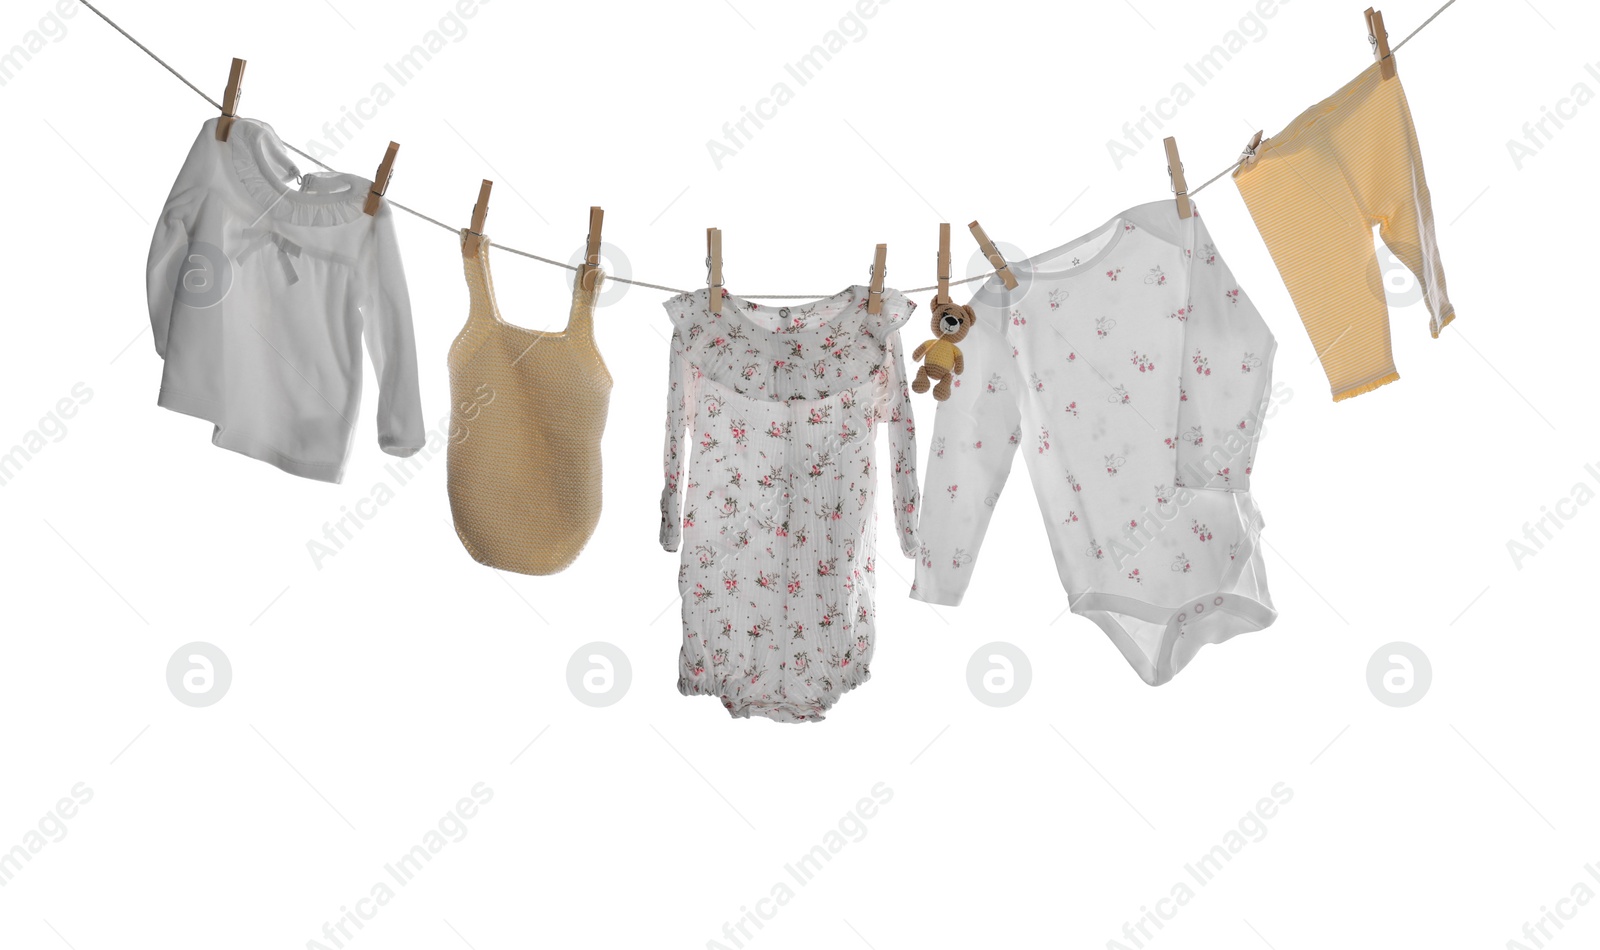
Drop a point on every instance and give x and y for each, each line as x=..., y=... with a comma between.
x=1227, y=375
x=679, y=385
x=975, y=439
x=171, y=261
x=391, y=342
x=902, y=427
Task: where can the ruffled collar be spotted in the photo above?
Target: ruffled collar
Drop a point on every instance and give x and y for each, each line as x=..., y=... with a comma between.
x=263, y=167
x=844, y=311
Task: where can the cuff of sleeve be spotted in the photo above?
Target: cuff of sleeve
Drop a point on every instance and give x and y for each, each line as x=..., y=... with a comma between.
x=401, y=448
x=931, y=589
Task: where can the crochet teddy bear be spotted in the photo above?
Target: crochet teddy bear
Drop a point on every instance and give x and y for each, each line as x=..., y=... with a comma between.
x=941, y=358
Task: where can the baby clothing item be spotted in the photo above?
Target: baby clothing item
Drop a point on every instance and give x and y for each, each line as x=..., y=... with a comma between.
x=260, y=295
x=776, y=514
x=1134, y=374
x=1315, y=190
x=528, y=409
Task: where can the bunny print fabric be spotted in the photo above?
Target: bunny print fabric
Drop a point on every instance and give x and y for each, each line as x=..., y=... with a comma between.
x=775, y=410
x=1133, y=374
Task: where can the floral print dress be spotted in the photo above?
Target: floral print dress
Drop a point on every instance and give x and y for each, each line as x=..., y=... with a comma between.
x=775, y=513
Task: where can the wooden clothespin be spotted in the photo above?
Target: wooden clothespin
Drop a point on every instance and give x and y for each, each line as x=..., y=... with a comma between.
x=1379, y=38
x=230, y=100
x=480, y=212
x=880, y=259
x=380, y=181
x=993, y=256
x=714, y=267
x=590, y=268
x=1180, y=185
x=1248, y=156
x=943, y=294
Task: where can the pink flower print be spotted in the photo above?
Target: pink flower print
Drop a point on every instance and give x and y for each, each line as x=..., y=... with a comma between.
x=1183, y=394
x=1114, y=464
x=730, y=582
x=1233, y=550
x=688, y=518
x=828, y=568
x=1120, y=396
x=708, y=441
x=1073, y=482
x=1094, y=550
x=1195, y=436
x=1072, y=409
x=801, y=661
x=978, y=444
x=1199, y=530
x=1143, y=361
x=1181, y=314
x=1038, y=384
x=1072, y=518
x=697, y=669
x=938, y=447
x=794, y=584
x=1242, y=425
x=952, y=490
x=749, y=371
x=765, y=580
x=996, y=383
x=1103, y=327
x=1017, y=319
x=819, y=369
x=1057, y=298
x=759, y=629
x=1208, y=254
x=818, y=415
x=736, y=428
x=1202, y=366
x=1072, y=357
x=1016, y=436
x=700, y=594
x=1233, y=295
x=1249, y=362
x=960, y=559
x=1114, y=272
x=1163, y=494
x=1133, y=575
x=1044, y=440
x=719, y=656
x=861, y=642
x=1156, y=277
x=1180, y=564
x=1126, y=228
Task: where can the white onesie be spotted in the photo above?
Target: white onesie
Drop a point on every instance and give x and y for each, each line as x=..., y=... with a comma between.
x=261, y=292
x=1134, y=375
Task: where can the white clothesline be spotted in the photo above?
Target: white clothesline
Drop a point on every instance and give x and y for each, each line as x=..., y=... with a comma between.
x=623, y=280
x=1392, y=51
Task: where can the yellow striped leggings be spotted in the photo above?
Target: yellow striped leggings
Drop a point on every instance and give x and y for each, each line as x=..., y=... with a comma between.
x=1315, y=191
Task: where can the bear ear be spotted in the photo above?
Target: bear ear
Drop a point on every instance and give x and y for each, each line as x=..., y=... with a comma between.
x=969, y=316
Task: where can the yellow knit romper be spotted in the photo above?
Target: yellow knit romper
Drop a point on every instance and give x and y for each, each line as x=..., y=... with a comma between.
x=528, y=410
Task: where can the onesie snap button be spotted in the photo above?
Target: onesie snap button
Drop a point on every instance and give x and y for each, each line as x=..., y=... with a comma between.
x=1218, y=602
x=1199, y=608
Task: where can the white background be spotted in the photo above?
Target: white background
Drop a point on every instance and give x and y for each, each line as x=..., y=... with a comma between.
x=371, y=694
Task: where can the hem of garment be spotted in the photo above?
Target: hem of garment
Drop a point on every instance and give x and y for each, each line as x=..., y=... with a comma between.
x=1100, y=607
x=1449, y=318
x=1366, y=387
x=398, y=449
x=202, y=408
x=940, y=596
x=784, y=712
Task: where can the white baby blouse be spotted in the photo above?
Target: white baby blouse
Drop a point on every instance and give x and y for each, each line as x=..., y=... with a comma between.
x=260, y=295
x=1133, y=374
x=776, y=510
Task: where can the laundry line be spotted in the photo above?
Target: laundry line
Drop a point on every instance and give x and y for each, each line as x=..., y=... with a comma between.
x=1371, y=39
x=623, y=280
